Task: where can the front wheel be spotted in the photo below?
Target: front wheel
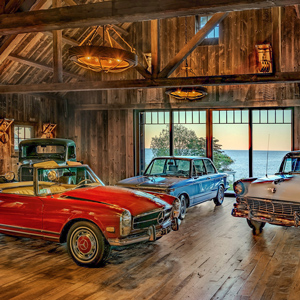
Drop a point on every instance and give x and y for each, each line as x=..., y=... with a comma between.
x=86, y=244
x=183, y=206
x=256, y=226
x=218, y=200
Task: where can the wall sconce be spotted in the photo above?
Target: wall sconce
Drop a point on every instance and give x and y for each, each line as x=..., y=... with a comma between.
x=4, y=125
x=264, y=58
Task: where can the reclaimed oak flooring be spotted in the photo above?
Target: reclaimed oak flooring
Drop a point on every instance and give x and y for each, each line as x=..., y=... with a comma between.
x=212, y=256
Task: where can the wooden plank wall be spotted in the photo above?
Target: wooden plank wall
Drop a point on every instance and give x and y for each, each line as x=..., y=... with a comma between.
x=104, y=132
x=27, y=110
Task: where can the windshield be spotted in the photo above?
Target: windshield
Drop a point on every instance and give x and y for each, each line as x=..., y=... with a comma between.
x=168, y=167
x=291, y=165
x=58, y=180
x=43, y=151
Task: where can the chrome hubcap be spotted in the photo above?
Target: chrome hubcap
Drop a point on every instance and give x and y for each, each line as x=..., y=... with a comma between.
x=84, y=244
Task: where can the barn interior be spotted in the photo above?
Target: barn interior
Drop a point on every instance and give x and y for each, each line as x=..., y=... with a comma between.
x=242, y=57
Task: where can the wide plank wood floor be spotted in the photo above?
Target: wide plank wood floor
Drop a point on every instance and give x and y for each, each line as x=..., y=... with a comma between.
x=212, y=256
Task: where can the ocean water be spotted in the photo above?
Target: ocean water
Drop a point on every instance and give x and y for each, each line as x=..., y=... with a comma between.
x=261, y=165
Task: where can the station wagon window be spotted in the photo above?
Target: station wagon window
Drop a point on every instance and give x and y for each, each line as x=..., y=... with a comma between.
x=209, y=167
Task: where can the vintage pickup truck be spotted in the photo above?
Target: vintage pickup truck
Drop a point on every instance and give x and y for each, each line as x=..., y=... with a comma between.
x=37, y=150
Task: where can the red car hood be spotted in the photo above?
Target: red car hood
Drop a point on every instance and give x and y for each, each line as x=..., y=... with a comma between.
x=136, y=202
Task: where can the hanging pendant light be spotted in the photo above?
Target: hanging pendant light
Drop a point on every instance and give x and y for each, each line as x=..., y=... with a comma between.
x=187, y=93
x=101, y=58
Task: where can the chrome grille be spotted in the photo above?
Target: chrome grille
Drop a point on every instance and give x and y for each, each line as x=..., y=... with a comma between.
x=156, y=217
x=273, y=207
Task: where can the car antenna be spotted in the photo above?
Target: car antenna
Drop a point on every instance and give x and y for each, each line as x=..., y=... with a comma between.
x=267, y=155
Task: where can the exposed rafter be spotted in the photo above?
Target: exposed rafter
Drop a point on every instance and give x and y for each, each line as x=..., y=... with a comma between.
x=39, y=65
x=285, y=77
x=120, y=11
x=14, y=40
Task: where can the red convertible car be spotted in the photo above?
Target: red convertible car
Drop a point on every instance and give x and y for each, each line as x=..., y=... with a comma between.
x=70, y=204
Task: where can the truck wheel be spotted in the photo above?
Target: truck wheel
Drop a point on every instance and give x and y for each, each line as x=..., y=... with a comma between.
x=87, y=245
x=256, y=226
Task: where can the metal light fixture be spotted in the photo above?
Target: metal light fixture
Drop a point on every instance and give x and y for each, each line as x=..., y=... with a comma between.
x=187, y=93
x=101, y=58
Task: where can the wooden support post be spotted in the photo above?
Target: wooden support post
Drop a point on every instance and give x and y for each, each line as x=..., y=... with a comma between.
x=209, y=134
x=155, y=48
x=250, y=132
x=57, y=50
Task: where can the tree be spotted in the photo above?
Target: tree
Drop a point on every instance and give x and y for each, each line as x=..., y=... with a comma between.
x=187, y=143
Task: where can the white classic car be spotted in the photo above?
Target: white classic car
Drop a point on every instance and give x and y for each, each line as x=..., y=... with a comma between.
x=272, y=199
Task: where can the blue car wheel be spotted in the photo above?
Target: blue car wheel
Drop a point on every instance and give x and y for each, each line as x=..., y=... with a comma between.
x=220, y=196
x=183, y=206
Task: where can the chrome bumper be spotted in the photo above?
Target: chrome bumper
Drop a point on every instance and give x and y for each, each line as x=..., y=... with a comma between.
x=267, y=217
x=151, y=234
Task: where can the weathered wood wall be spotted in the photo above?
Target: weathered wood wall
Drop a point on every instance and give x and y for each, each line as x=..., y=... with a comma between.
x=102, y=122
x=27, y=110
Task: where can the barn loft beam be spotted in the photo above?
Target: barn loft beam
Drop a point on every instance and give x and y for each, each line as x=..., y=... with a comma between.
x=120, y=11
x=191, y=45
x=38, y=65
x=13, y=41
x=285, y=77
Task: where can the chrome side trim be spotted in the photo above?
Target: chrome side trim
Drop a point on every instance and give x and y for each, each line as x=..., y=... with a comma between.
x=26, y=228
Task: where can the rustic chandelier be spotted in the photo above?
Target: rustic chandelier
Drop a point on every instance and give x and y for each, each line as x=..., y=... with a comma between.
x=187, y=93
x=101, y=58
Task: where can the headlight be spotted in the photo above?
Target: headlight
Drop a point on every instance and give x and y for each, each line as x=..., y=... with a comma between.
x=239, y=188
x=176, y=208
x=9, y=176
x=125, y=223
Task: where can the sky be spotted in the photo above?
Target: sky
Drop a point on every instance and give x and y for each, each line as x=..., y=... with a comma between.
x=235, y=137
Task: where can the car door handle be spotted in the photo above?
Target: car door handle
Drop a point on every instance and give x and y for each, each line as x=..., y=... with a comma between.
x=208, y=177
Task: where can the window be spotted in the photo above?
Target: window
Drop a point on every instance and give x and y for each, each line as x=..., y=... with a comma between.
x=21, y=133
x=209, y=167
x=213, y=37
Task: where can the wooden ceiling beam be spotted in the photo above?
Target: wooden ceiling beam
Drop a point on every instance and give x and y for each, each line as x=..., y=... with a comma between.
x=38, y=65
x=191, y=45
x=14, y=40
x=120, y=11
x=247, y=79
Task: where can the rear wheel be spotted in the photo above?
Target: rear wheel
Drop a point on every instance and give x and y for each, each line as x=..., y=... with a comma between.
x=86, y=244
x=256, y=226
x=220, y=196
x=183, y=206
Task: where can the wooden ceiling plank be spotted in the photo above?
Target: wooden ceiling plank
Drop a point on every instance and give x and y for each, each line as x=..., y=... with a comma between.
x=247, y=79
x=65, y=39
x=15, y=40
x=191, y=45
x=120, y=11
x=38, y=65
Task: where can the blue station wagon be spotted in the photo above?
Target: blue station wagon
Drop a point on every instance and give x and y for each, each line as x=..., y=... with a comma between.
x=192, y=179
